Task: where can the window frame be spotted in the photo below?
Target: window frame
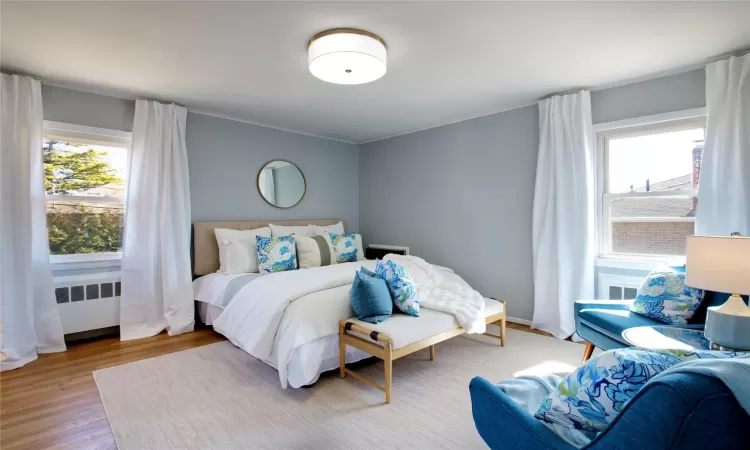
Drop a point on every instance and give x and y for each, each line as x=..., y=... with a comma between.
x=639, y=126
x=94, y=136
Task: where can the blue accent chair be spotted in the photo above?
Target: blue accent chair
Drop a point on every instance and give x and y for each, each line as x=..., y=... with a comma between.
x=601, y=322
x=681, y=411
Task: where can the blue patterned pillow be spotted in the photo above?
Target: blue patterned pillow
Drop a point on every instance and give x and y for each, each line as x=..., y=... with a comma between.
x=276, y=254
x=665, y=297
x=344, y=247
x=592, y=396
x=401, y=286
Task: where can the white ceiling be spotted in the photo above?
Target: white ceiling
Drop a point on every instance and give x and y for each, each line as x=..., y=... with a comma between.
x=447, y=61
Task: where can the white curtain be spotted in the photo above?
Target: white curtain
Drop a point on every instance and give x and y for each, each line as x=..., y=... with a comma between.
x=28, y=310
x=266, y=183
x=563, y=217
x=157, y=291
x=724, y=190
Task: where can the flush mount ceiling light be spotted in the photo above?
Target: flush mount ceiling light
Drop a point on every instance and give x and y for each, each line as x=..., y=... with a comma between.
x=347, y=56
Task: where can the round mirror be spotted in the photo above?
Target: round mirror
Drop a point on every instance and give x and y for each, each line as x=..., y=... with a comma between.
x=281, y=183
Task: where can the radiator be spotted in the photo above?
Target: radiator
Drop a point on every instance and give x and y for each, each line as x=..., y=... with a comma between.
x=618, y=287
x=88, y=302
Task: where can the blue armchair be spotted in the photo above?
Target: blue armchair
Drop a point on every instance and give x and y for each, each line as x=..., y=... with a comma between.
x=601, y=322
x=683, y=411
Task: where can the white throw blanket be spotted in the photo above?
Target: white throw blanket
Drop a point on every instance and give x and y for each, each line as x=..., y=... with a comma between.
x=445, y=292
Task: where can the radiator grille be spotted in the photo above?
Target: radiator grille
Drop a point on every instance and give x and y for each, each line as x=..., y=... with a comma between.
x=618, y=287
x=87, y=291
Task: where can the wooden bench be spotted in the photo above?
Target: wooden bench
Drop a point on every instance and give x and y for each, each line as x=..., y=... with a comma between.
x=401, y=335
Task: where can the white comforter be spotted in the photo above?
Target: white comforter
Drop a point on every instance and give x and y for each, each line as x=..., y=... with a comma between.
x=274, y=314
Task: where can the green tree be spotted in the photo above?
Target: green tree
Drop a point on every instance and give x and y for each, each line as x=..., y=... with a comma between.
x=80, y=228
x=71, y=171
x=83, y=231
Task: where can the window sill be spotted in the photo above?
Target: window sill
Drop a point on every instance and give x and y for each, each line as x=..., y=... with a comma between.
x=85, y=261
x=634, y=262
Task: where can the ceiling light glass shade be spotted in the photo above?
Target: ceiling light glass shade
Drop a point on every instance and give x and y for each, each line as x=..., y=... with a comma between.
x=347, y=56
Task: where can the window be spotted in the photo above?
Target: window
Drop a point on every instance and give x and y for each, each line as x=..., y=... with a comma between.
x=648, y=182
x=85, y=171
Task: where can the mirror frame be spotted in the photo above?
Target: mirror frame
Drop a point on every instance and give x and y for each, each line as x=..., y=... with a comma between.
x=257, y=183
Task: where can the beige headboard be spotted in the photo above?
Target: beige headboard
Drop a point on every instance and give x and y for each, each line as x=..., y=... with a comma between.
x=206, y=250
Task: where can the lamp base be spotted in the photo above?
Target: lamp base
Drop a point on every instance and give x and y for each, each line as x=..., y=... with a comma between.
x=728, y=325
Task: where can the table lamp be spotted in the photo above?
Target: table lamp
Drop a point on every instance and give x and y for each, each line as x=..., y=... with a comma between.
x=722, y=264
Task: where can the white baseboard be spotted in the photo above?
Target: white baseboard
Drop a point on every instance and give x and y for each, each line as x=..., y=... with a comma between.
x=519, y=321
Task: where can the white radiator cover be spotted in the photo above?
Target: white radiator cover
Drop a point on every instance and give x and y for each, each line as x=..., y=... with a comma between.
x=88, y=302
x=612, y=284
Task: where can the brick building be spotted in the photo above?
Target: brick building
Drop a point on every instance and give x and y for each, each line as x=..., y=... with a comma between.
x=657, y=225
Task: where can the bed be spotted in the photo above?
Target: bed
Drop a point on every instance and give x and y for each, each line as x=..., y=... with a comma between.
x=213, y=292
x=290, y=320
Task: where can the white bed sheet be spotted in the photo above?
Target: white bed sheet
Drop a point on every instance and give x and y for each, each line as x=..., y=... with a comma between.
x=210, y=288
x=308, y=360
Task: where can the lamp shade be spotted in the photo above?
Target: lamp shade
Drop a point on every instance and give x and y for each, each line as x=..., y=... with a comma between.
x=347, y=56
x=719, y=264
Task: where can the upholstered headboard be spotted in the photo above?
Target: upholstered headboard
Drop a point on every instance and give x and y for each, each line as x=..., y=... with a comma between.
x=206, y=250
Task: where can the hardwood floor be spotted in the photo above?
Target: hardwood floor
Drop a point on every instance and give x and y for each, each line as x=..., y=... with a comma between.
x=53, y=402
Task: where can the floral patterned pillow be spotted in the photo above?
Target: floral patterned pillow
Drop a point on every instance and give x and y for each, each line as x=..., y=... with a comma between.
x=592, y=396
x=665, y=297
x=344, y=247
x=276, y=254
x=402, y=288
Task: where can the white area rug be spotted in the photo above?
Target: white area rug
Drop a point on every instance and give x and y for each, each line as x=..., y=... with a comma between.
x=217, y=396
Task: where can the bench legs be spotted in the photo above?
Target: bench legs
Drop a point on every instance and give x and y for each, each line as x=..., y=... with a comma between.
x=499, y=320
x=342, y=353
x=388, y=372
x=385, y=353
x=501, y=324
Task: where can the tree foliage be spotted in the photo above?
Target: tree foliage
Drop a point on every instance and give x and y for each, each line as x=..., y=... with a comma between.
x=66, y=172
x=84, y=231
x=80, y=228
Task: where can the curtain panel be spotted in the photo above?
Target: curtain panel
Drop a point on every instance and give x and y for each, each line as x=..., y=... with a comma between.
x=563, y=230
x=724, y=189
x=157, y=290
x=28, y=309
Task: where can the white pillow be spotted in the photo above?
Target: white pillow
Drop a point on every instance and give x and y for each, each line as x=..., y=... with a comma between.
x=314, y=251
x=285, y=230
x=336, y=228
x=237, y=252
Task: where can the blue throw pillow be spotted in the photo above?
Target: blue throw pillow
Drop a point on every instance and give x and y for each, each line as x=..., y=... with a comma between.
x=591, y=397
x=368, y=271
x=344, y=247
x=665, y=297
x=370, y=298
x=401, y=286
x=276, y=254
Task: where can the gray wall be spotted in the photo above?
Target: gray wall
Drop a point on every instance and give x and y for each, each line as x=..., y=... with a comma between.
x=673, y=93
x=461, y=195
x=83, y=108
x=224, y=159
